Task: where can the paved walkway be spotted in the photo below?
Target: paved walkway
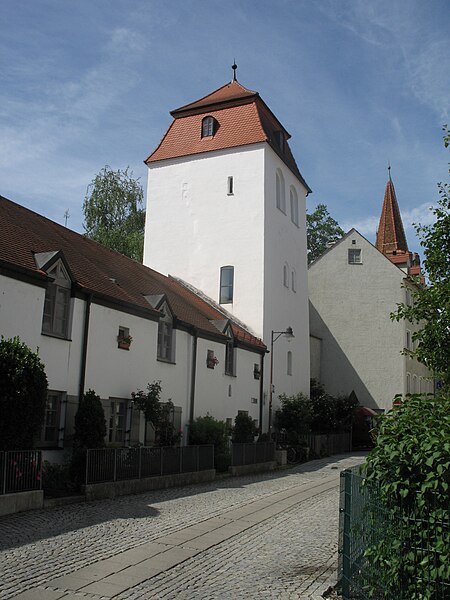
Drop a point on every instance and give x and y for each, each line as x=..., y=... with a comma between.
x=265, y=536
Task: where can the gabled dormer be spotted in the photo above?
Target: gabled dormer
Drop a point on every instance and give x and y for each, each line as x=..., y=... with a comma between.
x=166, y=330
x=57, y=305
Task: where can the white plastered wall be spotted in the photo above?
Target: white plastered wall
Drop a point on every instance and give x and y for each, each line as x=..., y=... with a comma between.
x=193, y=227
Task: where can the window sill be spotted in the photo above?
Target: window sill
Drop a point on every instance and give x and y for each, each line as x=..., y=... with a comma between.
x=230, y=374
x=165, y=360
x=55, y=335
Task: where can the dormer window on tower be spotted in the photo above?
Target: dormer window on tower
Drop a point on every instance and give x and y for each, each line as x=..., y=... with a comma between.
x=208, y=126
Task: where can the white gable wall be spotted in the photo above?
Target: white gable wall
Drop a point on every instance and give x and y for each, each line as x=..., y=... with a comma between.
x=350, y=311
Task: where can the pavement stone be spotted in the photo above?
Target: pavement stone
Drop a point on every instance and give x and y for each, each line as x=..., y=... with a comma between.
x=291, y=554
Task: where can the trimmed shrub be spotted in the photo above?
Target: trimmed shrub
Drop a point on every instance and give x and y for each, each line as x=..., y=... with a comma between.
x=90, y=432
x=208, y=430
x=244, y=430
x=294, y=416
x=23, y=395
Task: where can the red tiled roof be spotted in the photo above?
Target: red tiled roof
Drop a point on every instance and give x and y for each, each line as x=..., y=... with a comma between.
x=391, y=235
x=242, y=118
x=102, y=271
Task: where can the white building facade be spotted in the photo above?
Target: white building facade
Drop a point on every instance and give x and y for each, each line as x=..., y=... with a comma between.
x=75, y=300
x=226, y=212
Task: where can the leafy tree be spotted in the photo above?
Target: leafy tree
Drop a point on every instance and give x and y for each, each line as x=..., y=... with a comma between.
x=113, y=212
x=244, y=430
x=431, y=302
x=330, y=414
x=321, y=230
x=408, y=476
x=294, y=415
x=23, y=395
x=158, y=414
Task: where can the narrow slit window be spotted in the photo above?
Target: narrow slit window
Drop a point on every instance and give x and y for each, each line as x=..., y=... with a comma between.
x=230, y=186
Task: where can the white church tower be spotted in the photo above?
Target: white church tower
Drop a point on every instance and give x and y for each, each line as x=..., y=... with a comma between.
x=226, y=213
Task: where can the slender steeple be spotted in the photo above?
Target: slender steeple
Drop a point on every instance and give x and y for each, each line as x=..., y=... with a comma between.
x=391, y=239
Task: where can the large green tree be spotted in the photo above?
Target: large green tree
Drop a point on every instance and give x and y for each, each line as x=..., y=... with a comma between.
x=431, y=302
x=321, y=230
x=114, y=213
x=23, y=395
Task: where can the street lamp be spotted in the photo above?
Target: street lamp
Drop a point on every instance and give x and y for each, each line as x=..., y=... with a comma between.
x=289, y=335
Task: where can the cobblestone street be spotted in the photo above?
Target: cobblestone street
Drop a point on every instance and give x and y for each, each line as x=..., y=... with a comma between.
x=261, y=536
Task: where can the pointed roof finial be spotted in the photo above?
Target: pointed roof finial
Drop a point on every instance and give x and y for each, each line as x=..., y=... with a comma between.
x=234, y=67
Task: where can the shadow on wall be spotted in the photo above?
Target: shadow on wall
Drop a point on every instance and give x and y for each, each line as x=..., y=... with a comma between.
x=337, y=373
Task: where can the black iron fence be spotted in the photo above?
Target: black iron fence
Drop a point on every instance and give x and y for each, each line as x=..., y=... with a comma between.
x=252, y=454
x=117, y=464
x=325, y=444
x=20, y=471
x=391, y=552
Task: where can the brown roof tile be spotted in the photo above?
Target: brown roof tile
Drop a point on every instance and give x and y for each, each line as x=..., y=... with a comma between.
x=100, y=270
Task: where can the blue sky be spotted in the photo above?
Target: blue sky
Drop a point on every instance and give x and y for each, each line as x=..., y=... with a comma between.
x=355, y=82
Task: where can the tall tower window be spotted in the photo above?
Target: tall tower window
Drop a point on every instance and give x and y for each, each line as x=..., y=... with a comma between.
x=226, y=285
x=289, y=363
x=286, y=275
x=281, y=199
x=294, y=205
x=207, y=127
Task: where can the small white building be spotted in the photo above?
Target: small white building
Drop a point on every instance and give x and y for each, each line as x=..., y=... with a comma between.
x=353, y=288
x=226, y=212
x=79, y=303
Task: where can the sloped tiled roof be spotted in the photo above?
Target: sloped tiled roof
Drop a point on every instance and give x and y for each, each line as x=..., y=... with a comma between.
x=101, y=271
x=242, y=118
x=391, y=235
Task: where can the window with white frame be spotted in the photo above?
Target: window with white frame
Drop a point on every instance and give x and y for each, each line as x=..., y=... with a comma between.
x=354, y=256
x=50, y=429
x=230, y=354
x=289, y=363
x=208, y=127
x=166, y=350
x=408, y=340
x=55, y=320
x=117, y=421
x=281, y=198
x=294, y=205
x=226, y=285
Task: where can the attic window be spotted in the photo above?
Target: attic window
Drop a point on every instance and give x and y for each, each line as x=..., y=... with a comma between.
x=55, y=319
x=354, y=256
x=208, y=128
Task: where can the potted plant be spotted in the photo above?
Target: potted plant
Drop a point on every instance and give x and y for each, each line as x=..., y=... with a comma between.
x=124, y=341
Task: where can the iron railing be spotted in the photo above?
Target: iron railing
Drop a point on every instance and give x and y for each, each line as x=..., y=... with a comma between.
x=117, y=464
x=415, y=540
x=252, y=454
x=20, y=471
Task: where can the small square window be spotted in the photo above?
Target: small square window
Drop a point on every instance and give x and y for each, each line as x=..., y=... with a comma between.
x=354, y=256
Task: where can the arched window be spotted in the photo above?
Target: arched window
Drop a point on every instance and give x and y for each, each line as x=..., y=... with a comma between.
x=293, y=280
x=281, y=198
x=208, y=127
x=294, y=205
x=289, y=363
x=408, y=383
x=286, y=275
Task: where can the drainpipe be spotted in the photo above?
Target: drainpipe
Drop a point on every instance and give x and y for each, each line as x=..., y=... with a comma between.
x=193, y=376
x=87, y=315
x=261, y=394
